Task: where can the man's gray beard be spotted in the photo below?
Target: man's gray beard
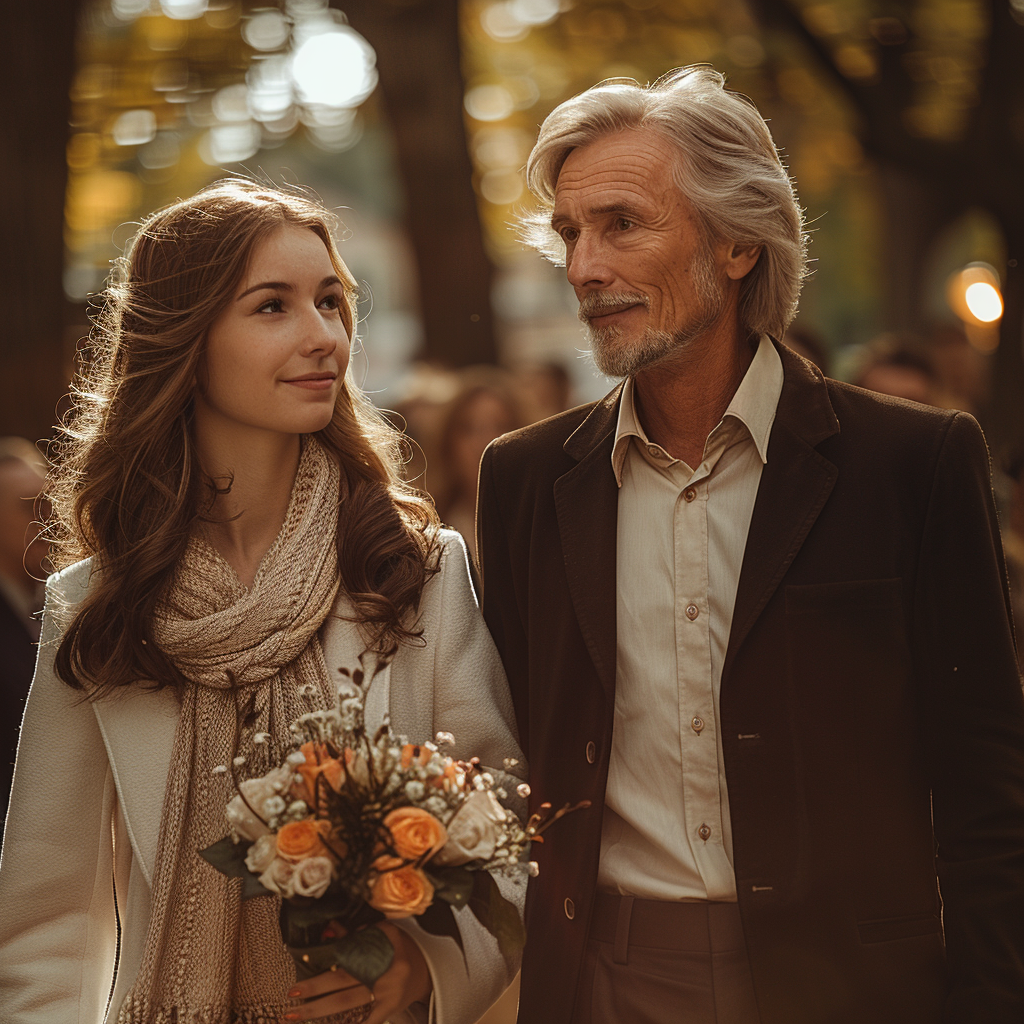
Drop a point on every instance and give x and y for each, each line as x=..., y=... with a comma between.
x=654, y=345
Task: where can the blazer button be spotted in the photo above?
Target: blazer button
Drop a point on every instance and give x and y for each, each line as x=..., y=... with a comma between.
x=591, y=752
x=570, y=908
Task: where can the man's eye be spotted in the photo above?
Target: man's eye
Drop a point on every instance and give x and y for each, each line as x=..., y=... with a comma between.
x=624, y=224
x=569, y=234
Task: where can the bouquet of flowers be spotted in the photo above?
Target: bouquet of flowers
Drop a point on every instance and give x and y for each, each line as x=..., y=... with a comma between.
x=351, y=829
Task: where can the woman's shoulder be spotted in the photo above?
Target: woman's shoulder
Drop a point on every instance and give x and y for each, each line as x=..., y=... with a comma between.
x=71, y=584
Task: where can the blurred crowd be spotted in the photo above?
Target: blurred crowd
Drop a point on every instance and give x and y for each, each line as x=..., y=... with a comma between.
x=450, y=416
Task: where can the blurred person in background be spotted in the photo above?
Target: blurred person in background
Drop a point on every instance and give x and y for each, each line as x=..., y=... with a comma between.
x=484, y=407
x=232, y=528
x=756, y=616
x=1013, y=544
x=545, y=389
x=807, y=342
x=23, y=553
x=898, y=365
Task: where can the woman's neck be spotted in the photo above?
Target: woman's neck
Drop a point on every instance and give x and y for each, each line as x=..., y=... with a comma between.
x=259, y=471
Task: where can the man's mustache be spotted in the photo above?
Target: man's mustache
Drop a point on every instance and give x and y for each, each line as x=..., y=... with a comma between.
x=596, y=303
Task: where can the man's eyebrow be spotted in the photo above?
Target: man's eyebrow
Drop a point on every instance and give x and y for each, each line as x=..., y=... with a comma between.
x=284, y=286
x=599, y=211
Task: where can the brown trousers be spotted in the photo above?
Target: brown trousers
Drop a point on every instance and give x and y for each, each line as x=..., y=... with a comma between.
x=654, y=962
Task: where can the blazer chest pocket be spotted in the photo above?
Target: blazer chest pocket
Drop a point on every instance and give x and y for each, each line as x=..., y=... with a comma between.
x=851, y=626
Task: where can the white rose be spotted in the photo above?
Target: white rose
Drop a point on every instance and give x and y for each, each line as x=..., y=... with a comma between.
x=278, y=877
x=243, y=822
x=261, y=854
x=474, y=830
x=312, y=876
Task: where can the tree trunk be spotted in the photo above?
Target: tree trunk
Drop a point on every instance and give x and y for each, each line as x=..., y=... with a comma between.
x=37, y=69
x=417, y=44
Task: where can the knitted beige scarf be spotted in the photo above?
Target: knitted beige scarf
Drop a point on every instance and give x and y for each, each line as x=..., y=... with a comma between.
x=209, y=958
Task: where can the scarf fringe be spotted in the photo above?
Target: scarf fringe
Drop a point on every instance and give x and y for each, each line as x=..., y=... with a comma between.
x=137, y=1010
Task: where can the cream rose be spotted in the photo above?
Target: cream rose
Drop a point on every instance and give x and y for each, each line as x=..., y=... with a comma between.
x=243, y=822
x=261, y=854
x=312, y=876
x=278, y=877
x=474, y=830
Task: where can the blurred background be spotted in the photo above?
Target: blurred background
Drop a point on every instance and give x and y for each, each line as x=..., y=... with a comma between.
x=902, y=122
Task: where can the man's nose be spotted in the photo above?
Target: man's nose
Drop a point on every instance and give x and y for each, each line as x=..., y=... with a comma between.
x=587, y=265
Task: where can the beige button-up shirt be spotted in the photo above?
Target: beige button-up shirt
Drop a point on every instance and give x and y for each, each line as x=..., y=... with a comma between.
x=681, y=536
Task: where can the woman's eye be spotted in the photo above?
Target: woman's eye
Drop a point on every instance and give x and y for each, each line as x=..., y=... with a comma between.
x=270, y=306
x=331, y=302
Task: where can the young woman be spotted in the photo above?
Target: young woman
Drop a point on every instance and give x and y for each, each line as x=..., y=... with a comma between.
x=233, y=529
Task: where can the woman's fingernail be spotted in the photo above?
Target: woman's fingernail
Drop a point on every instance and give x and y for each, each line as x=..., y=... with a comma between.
x=291, y=1016
x=295, y=993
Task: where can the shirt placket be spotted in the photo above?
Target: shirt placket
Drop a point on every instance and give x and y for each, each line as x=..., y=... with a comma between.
x=698, y=724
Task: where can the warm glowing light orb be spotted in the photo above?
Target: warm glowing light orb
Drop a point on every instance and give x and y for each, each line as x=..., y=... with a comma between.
x=335, y=69
x=984, y=301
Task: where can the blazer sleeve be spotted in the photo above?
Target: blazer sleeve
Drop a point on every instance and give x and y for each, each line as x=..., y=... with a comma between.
x=58, y=930
x=973, y=734
x=471, y=701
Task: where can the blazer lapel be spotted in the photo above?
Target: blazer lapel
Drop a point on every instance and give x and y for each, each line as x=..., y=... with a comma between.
x=138, y=729
x=586, y=502
x=795, y=484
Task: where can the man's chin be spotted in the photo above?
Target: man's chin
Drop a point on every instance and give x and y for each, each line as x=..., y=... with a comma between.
x=617, y=356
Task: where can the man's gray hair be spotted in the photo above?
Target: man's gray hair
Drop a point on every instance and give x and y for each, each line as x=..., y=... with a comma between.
x=729, y=170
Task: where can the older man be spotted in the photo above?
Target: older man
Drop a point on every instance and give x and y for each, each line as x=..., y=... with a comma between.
x=757, y=617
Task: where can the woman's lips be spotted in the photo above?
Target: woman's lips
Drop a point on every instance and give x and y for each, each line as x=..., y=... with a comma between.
x=313, y=383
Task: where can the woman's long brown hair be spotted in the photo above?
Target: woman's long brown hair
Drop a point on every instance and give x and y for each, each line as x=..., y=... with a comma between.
x=127, y=487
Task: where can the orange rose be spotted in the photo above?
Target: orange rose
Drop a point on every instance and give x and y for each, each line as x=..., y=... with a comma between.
x=399, y=891
x=417, y=833
x=317, y=764
x=300, y=839
x=413, y=753
x=453, y=778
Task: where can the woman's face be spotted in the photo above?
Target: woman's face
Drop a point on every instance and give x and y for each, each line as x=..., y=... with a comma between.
x=276, y=357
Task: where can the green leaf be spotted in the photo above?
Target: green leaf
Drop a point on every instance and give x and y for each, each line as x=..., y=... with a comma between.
x=365, y=954
x=496, y=914
x=453, y=885
x=228, y=857
x=439, y=919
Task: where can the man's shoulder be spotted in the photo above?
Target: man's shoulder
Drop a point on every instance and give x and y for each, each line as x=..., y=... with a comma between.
x=896, y=421
x=546, y=437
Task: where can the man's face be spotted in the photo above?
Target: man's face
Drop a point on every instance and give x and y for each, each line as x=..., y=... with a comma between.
x=647, y=281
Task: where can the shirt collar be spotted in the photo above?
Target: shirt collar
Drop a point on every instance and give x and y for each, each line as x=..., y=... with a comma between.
x=753, y=405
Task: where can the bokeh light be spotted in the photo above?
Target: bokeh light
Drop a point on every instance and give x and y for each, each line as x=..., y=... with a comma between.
x=335, y=69
x=984, y=301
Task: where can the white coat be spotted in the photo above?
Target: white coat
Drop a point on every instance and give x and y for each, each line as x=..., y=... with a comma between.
x=88, y=790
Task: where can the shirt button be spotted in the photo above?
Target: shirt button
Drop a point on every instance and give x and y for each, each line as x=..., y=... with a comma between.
x=689, y=494
x=704, y=832
x=570, y=908
x=653, y=449
x=697, y=724
x=591, y=752
x=692, y=611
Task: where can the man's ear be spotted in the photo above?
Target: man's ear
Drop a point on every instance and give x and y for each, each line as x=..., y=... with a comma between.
x=740, y=260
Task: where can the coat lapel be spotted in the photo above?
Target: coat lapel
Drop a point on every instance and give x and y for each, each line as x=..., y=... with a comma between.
x=586, y=502
x=795, y=484
x=138, y=729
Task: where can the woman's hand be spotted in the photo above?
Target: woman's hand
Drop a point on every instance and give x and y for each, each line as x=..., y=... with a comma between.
x=406, y=981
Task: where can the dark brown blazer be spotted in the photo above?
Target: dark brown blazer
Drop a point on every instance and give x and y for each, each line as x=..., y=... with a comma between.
x=870, y=689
